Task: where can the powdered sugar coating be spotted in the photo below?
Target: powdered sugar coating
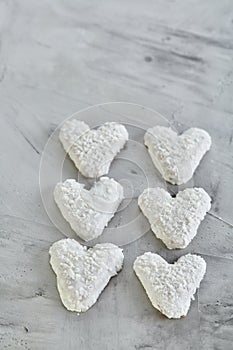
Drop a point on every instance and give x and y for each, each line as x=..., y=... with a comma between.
x=175, y=220
x=176, y=157
x=83, y=274
x=170, y=287
x=88, y=212
x=92, y=151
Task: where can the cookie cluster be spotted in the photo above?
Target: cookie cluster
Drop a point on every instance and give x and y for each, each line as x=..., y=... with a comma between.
x=83, y=273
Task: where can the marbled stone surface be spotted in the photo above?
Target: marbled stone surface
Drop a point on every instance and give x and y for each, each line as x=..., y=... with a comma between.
x=57, y=58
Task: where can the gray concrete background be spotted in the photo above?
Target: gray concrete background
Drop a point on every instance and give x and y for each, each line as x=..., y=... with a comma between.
x=56, y=58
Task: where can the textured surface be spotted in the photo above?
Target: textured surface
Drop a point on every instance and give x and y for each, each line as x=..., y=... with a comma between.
x=59, y=57
x=83, y=274
x=175, y=220
x=88, y=212
x=177, y=156
x=170, y=287
x=92, y=151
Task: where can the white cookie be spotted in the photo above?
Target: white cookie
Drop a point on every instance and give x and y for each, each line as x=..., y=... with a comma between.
x=170, y=287
x=175, y=220
x=176, y=157
x=88, y=212
x=83, y=274
x=92, y=151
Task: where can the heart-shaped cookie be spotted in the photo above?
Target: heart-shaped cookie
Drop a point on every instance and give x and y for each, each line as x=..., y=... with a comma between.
x=170, y=287
x=92, y=151
x=83, y=274
x=175, y=220
x=176, y=157
x=88, y=212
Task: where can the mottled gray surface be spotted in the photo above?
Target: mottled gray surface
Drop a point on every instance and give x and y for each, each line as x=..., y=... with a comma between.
x=57, y=57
